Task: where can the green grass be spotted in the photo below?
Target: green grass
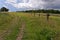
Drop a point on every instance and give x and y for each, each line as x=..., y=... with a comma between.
x=37, y=28
x=4, y=20
x=13, y=33
x=9, y=26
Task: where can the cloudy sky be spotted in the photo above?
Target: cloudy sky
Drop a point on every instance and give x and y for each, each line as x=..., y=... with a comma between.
x=15, y=5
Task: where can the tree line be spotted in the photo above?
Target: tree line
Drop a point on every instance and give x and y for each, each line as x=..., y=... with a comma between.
x=43, y=11
x=4, y=9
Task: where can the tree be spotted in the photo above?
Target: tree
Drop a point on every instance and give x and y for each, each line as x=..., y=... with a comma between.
x=3, y=9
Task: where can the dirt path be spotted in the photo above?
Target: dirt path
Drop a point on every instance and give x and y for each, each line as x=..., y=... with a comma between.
x=20, y=35
x=8, y=30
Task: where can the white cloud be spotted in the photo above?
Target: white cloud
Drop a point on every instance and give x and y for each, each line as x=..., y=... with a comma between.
x=37, y=3
x=11, y=1
x=22, y=5
x=5, y=6
x=26, y=3
x=34, y=3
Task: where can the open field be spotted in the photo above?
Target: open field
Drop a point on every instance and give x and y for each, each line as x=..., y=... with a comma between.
x=9, y=26
x=26, y=26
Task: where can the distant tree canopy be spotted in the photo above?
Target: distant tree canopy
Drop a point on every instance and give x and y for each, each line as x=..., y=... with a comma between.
x=3, y=9
x=43, y=11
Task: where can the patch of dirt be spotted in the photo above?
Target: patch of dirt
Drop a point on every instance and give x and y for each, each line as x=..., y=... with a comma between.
x=57, y=37
x=20, y=35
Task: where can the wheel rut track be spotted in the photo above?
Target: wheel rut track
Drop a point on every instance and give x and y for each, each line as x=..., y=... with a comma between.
x=8, y=30
x=21, y=32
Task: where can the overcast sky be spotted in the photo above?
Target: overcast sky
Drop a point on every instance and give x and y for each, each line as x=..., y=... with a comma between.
x=15, y=5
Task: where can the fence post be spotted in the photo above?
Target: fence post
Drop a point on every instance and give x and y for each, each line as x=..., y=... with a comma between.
x=48, y=16
x=39, y=14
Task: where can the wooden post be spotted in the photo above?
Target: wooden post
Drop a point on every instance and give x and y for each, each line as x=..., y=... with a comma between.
x=39, y=14
x=48, y=16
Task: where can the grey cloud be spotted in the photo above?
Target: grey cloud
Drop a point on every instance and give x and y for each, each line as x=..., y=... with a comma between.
x=48, y=0
x=54, y=4
x=38, y=4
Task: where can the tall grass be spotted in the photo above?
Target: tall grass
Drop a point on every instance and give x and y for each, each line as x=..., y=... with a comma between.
x=38, y=28
x=9, y=26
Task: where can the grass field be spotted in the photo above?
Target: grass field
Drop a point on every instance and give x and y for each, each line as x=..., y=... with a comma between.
x=36, y=28
x=9, y=26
